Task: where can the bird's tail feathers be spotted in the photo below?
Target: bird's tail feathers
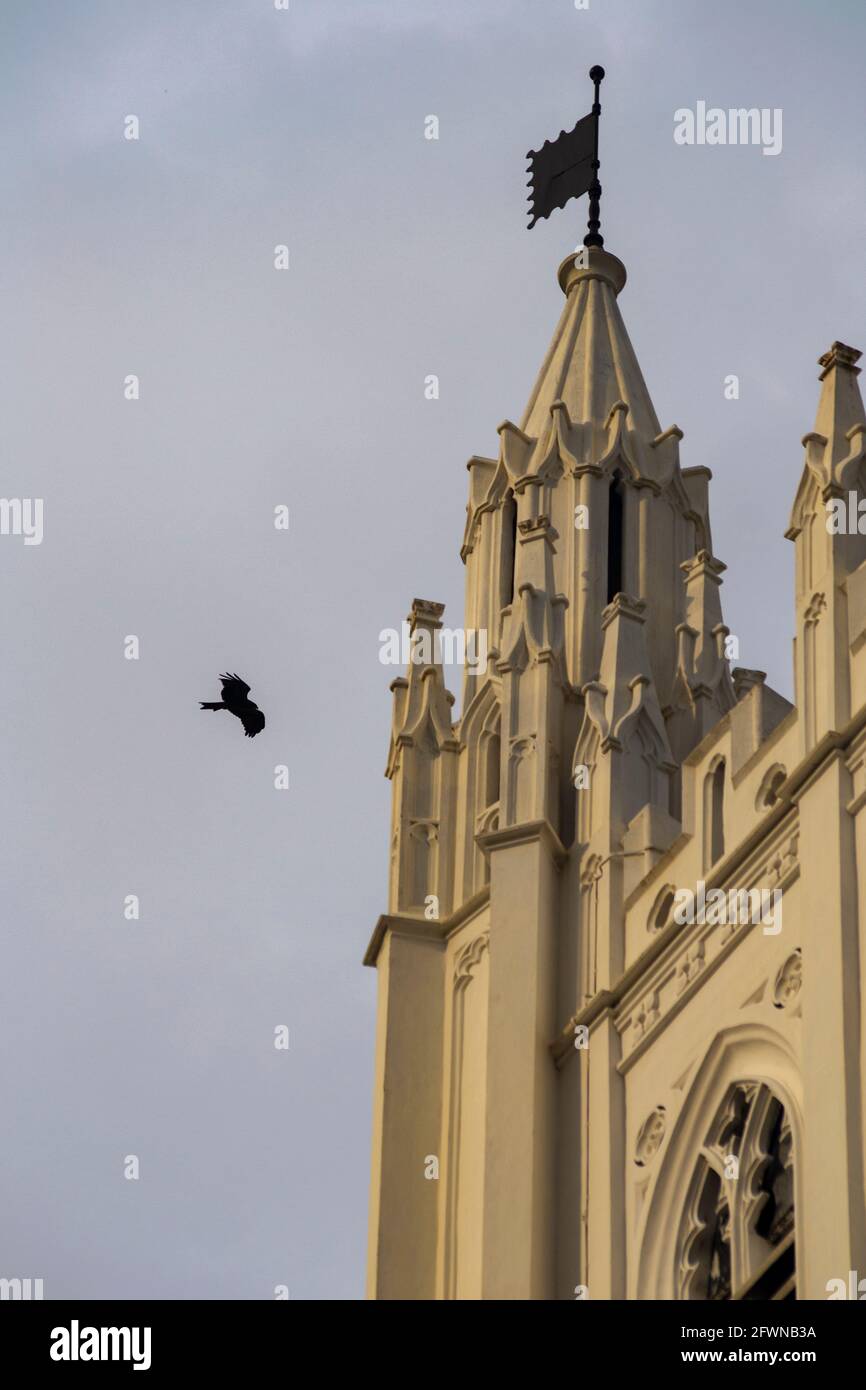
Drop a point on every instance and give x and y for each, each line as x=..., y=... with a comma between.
x=205, y=705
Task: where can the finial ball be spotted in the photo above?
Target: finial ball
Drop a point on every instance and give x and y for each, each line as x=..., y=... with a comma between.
x=596, y=74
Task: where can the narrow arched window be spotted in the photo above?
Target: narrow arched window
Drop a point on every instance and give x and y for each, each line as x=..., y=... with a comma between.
x=508, y=551
x=615, y=522
x=714, y=815
x=492, y=770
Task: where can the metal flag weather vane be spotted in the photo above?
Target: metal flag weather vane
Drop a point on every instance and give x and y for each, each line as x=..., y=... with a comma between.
x=567, y=168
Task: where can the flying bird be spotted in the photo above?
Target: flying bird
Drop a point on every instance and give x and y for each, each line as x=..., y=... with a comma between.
x=235, y=692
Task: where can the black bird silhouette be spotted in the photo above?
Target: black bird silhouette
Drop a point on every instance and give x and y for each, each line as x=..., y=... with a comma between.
x=235, y=692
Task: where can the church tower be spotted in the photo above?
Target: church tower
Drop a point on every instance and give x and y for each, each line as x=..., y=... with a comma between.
x=620, y=1043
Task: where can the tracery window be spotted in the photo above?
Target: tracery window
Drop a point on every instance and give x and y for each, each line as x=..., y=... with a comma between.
x=737, y=1239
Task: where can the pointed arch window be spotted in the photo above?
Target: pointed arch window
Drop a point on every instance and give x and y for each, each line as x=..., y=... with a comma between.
x=484, y=741
x=508, y=551
x=714, y=814
x=615, y=536
x=737, y=1237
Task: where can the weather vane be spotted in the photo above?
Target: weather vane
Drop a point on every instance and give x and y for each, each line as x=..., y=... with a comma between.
x=568, y=167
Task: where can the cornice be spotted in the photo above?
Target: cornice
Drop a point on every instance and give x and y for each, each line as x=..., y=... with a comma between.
x=528, y=832
x=422, y=930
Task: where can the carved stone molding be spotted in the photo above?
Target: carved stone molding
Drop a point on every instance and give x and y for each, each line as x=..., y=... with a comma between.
x=468, y=958
x=690, y=966
x=781, y=863
x=816, y=607
x=647, y=1014
x=427, y=831
x=770, y=783
x=650, y=1136
x=789, y=980
x=524, y=747
x=591, y=870
x=487, y=820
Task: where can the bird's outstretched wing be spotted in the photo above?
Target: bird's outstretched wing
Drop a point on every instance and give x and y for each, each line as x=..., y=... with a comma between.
x=234, y=688
x=252, y=719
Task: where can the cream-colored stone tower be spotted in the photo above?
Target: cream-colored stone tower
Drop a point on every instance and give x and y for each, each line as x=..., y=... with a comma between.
x=595, y=1075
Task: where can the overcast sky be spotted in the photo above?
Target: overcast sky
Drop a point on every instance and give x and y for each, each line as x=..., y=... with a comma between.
x=305, y=387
